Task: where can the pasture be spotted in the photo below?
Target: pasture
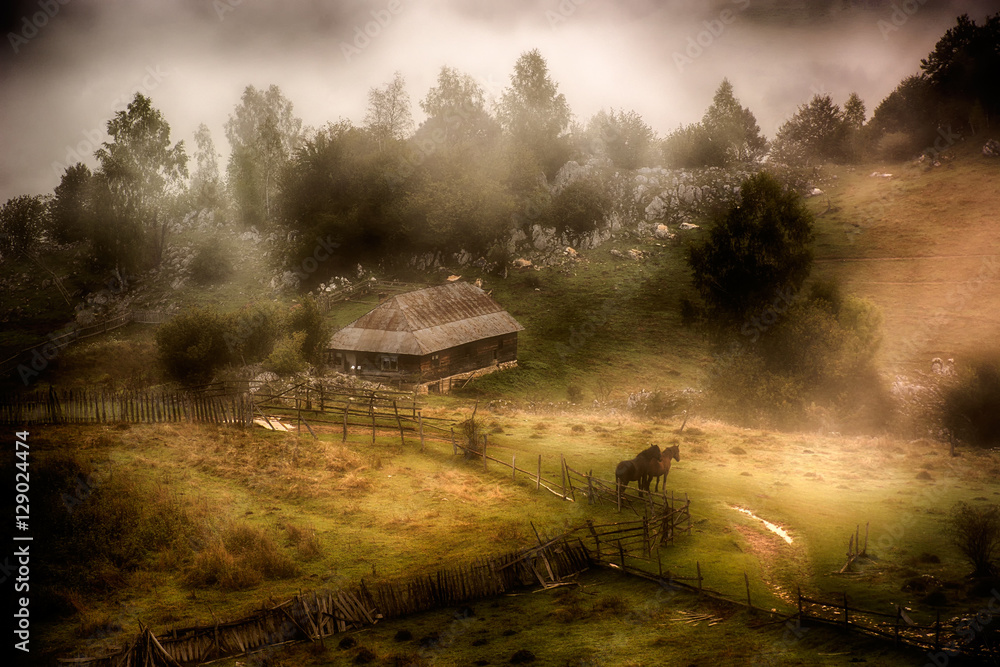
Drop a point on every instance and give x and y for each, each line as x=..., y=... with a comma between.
x=342, y=512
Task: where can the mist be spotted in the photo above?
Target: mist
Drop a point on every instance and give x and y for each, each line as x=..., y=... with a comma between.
x=66, y=69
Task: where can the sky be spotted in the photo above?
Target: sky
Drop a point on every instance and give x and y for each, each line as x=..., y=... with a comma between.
x=67, y=66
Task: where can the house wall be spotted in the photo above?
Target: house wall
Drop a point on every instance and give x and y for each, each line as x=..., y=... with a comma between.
x=459, y=359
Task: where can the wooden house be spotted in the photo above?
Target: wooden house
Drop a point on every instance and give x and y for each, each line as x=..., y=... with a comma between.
x=426, y=335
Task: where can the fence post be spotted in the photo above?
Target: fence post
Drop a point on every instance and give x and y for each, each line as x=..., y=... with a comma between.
x=484, y=452
x=373, y=426
x=344, y=439
x=420, y=423
x=746, y=580
x=847, y=620
x=895, y=632
x=454, y=447
x=538, y=479
x=399, y=423
x=798, y=594
x=562, y=466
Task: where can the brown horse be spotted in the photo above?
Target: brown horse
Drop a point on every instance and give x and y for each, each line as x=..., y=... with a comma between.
x=638, y=469
x=659, y=467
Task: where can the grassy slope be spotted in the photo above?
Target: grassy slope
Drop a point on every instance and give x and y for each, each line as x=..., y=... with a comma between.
x=617, y=323
x=388, y=510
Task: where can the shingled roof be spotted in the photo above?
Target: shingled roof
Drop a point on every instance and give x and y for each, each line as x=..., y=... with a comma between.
x=427, y=321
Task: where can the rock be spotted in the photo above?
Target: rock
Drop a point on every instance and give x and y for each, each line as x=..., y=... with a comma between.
x=687, y=225
x=636, y=254
x=662, y=232
x=85, y=317
x=815, y=192
x=521, y=263
x=656, y=209
x=991, y=148
x=617, y=253
x=572, y=253
x=453, y=278
x=463, y=258
x=876, y=174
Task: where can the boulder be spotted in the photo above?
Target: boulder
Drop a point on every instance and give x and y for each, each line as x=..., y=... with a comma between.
x=662, y=232
x=687, y=225
x=991, y=148
x=573, y=254
x=522, y=263
x=656, y=209
x=636, y=254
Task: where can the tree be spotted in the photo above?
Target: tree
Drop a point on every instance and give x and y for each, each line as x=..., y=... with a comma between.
x=975, y=530
x=139, y=171
x=262, y=133
x=970, y=406
x=22, y=220
x=69, y=209
x=815, y=132
x=755, y=252
x=533, y=113
x=622, y=137
x=455, y=108
x=206, y=185
x=579, y=207
x=388, y=117
x=733, y=129
x=854, y=122
x=963, y=69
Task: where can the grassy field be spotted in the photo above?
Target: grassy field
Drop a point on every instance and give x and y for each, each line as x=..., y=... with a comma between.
x=917, y=244
x=344, y=512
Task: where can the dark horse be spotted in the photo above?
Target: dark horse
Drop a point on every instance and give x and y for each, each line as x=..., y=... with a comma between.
x=638, y=469
x=660, y=467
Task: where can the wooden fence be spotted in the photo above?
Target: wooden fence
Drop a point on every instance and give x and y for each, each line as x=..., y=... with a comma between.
x=100, y=407
x=315, y=615
x=48, y=349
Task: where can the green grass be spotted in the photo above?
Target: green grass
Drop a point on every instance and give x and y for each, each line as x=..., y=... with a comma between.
x=388, y=510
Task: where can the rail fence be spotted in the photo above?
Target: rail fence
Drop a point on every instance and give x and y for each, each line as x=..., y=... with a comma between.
x=50, y=348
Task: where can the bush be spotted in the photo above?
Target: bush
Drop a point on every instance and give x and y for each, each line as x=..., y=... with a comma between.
x=252, y=333
x=307, y=319
x=192, y=346
x=287, y=358
x=896, y=146
x=211, y=263
x=579, y=208
x=976, y=533
x=970, y=406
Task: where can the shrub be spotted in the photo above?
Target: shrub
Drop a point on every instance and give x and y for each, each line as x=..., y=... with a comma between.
x=286, y=358
x=242, y=557
x=896, y=146
x=976, y=533
x=252, y=333
x=970, y=406
x=307, y=319
x=211, y=263
x=192, y=346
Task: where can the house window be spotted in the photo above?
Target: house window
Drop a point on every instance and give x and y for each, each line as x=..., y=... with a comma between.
x=390, y=362
x=435, y=360
x=338, y=360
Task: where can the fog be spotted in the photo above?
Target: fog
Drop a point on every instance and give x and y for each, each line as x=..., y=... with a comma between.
x=65, y=69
